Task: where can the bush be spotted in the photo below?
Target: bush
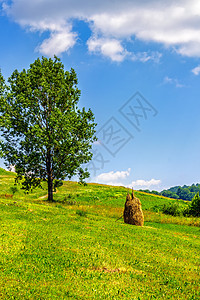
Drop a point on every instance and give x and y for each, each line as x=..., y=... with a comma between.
x=69, y=196
x=14, y=189
x=173, y=209
x=81, y=213
x=157, y=208
x=194, y=206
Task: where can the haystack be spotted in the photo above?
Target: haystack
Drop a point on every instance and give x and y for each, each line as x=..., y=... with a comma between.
x=133, y=211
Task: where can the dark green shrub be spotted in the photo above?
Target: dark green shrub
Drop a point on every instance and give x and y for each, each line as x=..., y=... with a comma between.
x=14, y=189
x=173, y=209
x=186, y=211
x=194, y=206
x=81, y=213
x=69, y=196
x=157, y=208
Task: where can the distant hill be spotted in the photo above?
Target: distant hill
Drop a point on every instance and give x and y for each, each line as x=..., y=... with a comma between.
x=184, y=192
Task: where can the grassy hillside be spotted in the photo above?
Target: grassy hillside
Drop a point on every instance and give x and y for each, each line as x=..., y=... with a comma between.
x=75, y=248
x=4, y=172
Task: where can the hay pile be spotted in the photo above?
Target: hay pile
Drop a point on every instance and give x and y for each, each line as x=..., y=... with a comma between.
x=133, y=211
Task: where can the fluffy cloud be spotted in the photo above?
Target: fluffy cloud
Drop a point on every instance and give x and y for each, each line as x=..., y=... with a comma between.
x=140, y=183
x=117, y=178
x=174, y=24
x=196, y=70
x=59, y=42
x=112, y=177
x=111, y=48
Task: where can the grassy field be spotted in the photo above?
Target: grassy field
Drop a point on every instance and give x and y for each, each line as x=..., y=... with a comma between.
x=76, y=248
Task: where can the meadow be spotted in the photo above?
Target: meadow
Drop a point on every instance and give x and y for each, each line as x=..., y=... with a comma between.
x=79, y=248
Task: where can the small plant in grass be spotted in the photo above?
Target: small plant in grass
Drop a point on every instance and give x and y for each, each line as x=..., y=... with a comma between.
x=70, y=202
x=156, y=208
x=14, y=189
x=59, y=206
x=81, y=213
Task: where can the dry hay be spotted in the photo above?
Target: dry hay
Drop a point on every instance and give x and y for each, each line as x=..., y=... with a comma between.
x=6, y=196
x=133, y=211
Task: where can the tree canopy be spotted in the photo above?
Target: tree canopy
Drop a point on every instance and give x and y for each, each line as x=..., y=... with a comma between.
x=194, y=208
x=44, y=133
x=177, y=192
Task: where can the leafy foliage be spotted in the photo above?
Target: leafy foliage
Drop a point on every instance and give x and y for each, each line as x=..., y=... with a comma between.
x=45, y=135
x=173, y=209
x=194, y=207
x=176, y=209
x=170, y=194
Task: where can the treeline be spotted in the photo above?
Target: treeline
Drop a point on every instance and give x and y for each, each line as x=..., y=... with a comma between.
x=177, y=192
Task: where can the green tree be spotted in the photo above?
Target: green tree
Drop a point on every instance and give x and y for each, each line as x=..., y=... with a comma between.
x=183, y=193
x=45, y=135
x=155, y=192
x=168, y=193
x=194, y=206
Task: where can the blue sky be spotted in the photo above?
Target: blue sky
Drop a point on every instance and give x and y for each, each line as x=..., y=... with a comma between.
x=138, y=65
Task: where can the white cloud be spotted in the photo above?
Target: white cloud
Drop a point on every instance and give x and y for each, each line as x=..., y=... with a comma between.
x=112, y=177
x=111, y=48
x=174, y=24
x=196, y=70
x=173, y=81
x=146, y=56
x=143, y=184
x=59, y=42
x=117, y=178
x=98, y=142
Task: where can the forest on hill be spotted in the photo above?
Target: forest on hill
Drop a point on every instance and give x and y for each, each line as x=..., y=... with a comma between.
x=177, y=192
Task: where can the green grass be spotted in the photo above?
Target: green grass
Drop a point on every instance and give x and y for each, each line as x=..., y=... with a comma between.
x=75, y=248
x=4, y=172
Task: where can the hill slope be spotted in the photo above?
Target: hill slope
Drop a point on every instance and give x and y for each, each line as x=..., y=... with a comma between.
x=75, y=248
x=4, y=172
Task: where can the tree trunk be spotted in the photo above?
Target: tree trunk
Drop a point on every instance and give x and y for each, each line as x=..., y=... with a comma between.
x=50, y=188
x=50, y=180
